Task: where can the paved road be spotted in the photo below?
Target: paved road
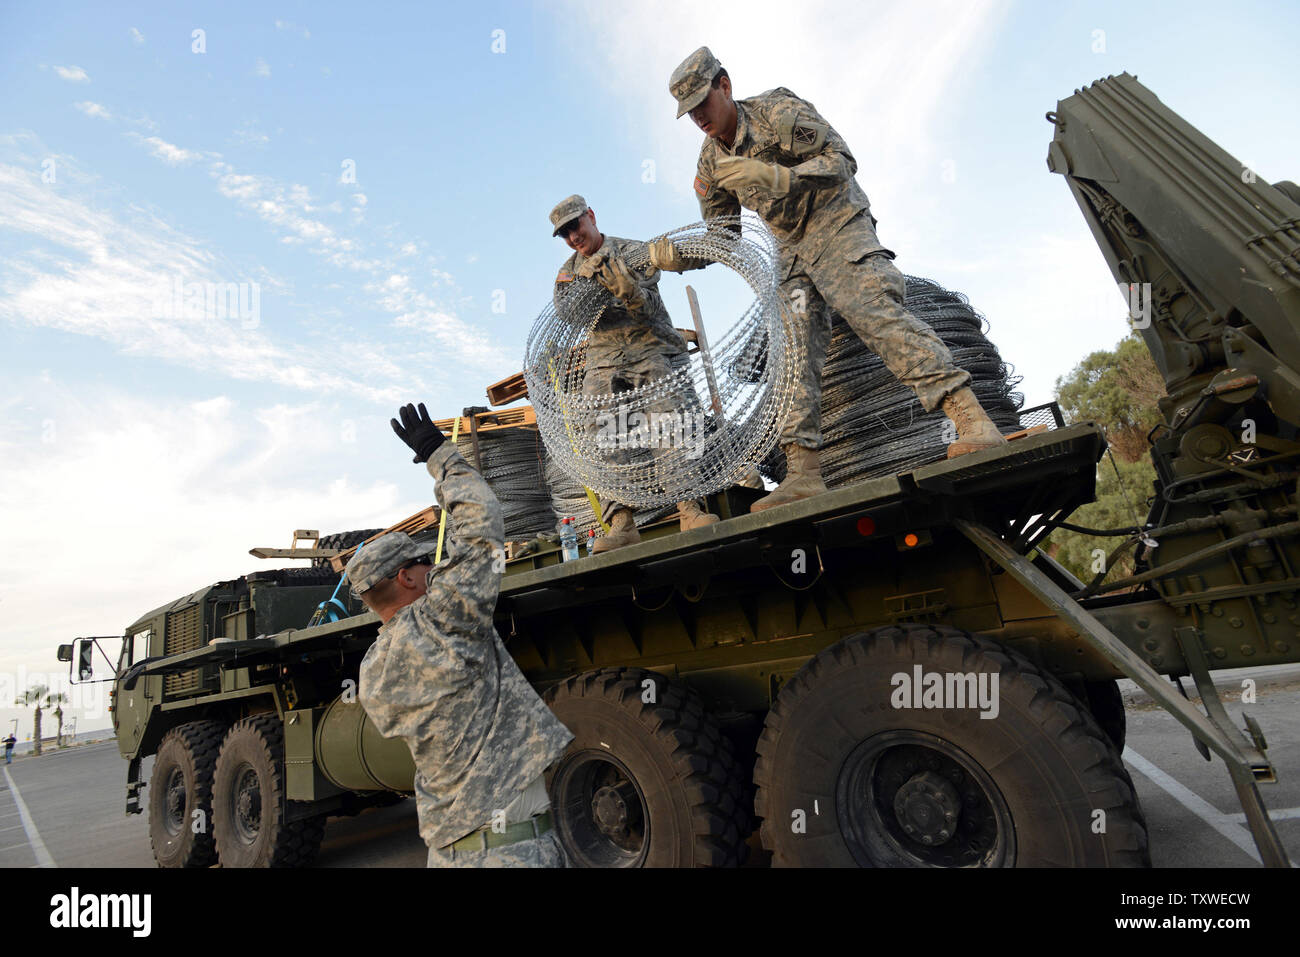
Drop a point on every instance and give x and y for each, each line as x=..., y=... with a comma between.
x=65, y=809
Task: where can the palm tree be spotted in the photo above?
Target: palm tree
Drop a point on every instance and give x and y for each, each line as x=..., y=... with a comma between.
x=40, y=697
x=58, y=699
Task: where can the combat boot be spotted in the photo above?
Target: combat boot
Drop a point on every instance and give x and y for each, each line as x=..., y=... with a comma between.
x=975, y=430
x=692, y=516
x=622, y=531
x=803, y=478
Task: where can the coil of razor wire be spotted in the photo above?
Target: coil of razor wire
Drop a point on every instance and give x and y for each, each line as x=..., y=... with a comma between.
x=513, y=467
x=874, y=425
x=699, y=447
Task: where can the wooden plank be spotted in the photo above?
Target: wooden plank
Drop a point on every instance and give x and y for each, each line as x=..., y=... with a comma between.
x=507, y=390
x=520, y=417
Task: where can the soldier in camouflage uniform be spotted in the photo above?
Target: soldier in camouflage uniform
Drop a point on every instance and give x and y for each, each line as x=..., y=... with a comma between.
x=633, y=344
x=776, y=155
x=439, y=676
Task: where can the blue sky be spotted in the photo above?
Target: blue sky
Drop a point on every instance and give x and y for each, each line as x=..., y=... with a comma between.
x=165, y=447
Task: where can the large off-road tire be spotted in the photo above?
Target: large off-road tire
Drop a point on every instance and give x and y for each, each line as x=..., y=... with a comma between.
x=846, y=778
x=649, y=779
x=180, y=785
x=1107, y=706
x=342, y=540
x=247, y=801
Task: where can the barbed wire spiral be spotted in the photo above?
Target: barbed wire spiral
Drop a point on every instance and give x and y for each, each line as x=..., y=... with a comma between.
x=720, y=424
x=872, y=424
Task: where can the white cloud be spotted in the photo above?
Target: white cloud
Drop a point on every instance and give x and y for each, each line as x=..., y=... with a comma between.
x=262, y=68
x=73, y=74
x=293, y=28
x=83, y=270
x=846, y=59
x=93, y=109
x=136, y=35
x=174, y=493
x=251, y=137
x=169, y=153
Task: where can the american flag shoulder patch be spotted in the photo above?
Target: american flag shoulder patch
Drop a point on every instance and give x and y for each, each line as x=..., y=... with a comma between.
x=564, y=277
x=702, y=186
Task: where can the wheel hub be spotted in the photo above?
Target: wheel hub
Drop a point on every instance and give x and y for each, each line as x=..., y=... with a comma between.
x=615, y=809
x=175, y=801
x=248, y=806
x=600, y=812
x=927, y=807
x=914, y=799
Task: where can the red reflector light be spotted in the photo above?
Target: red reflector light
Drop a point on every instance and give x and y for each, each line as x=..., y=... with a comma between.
x=910, y=539
x=866, y=525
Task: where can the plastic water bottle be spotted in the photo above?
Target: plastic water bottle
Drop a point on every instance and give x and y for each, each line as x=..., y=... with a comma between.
x=591, y=541
x=568, y=540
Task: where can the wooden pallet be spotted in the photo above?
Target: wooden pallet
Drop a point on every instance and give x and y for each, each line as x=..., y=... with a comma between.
x=520, y=417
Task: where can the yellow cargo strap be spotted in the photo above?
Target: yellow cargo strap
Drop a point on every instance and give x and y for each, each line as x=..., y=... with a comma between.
x=568, y=430
x=442, y=519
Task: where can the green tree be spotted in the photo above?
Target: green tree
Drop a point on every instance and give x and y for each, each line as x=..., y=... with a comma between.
x=40, y=697
x=1118, y=389
x=58, y=700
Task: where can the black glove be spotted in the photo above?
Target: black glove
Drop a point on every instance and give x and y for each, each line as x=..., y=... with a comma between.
x=418, y=431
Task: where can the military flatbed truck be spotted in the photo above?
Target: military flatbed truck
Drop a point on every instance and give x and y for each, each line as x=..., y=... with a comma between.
x=891, y=673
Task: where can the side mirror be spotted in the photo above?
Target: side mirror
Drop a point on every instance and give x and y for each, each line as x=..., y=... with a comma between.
x=85, y=669
x=65, y=652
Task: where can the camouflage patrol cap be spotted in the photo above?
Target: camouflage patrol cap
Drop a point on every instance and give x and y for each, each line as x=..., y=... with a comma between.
x=690, y=81
x=374, y=562
x=567, y=209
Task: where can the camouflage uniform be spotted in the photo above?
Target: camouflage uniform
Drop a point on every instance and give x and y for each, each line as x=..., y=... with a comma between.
x=830, y=252
x=439, y=676
x=629, y=347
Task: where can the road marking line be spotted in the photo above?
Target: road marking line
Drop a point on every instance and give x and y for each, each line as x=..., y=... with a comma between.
x=13, y=847
x=1223, y=823
x=11, y=827
x=1286, y=814
x=33, y=835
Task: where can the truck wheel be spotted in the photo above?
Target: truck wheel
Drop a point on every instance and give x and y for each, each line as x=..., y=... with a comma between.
x=180, y=785
x=1107, y=706
x=845, y=777
x=649, y=780
x=247, y=801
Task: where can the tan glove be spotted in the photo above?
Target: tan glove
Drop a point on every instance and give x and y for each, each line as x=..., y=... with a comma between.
x=591, y=265
x=616, y=276
x=734, y=173
x=665, y=255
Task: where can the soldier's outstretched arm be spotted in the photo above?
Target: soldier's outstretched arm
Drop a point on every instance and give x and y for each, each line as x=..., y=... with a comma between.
x=475, y=527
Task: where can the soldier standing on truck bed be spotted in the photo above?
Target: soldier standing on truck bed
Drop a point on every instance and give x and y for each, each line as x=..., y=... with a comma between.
x=774, y=154
x=439, y=676
x=633, y=344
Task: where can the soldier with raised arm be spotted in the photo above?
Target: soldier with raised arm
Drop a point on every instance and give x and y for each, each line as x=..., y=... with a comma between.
x=439, y=676
x=776, y=155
